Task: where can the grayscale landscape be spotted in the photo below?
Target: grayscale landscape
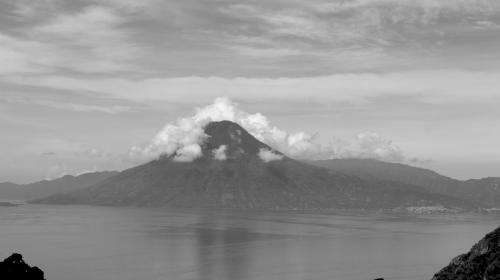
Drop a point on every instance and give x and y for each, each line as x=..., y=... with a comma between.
x=258, y=140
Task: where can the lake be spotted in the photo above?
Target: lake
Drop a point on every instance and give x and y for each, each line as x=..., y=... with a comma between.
x=104, y=243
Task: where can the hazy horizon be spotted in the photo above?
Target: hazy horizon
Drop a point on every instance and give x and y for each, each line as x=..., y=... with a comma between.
x=85, y=84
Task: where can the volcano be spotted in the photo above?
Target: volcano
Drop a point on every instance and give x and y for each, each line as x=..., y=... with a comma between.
x=232, y=173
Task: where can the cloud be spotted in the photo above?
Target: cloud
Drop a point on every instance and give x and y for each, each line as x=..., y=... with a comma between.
x=77, y=24
x=188, y=153
x=439, y=86
x=113, y=109
x=58, y=170
x=266, y=52
x=385, y=30
x=63, y=157
x=298, y=25
x=86, y=171
x=268, y=155
x=371, y=145
x=89, y=40
x=187, y=134
x=220, y=153
x=60, y=148
x=184, y=138
x=71, y=106
x=282, y=37
x=55, y=171
x=354, y=60
x=22, y=56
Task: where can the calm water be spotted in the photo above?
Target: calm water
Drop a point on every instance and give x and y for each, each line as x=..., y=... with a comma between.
x=99, y=243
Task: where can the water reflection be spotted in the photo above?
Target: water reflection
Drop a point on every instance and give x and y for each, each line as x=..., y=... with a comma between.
x=217, y=257
x=211, y=245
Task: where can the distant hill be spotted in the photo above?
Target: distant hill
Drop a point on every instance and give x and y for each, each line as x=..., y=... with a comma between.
x=11, y=191
x=242, y=179
x=485, y=192
x=376, y=169
x=482, y=262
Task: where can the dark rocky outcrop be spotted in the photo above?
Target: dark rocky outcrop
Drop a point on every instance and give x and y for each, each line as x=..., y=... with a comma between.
x=14, y=268
x=482, y=262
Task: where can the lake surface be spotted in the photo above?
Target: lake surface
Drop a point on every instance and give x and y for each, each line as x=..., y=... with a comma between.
x=101, y=243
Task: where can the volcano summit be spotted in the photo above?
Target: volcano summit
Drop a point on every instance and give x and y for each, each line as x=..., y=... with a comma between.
x=238, y=171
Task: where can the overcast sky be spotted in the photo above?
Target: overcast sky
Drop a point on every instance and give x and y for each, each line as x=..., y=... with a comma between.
x=83, y=81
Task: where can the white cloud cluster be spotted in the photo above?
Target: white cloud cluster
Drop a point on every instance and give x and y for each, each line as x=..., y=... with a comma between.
x=188, y=153
x=183, y=139
x=375, y=146
x=68, y=105
x=435, y=87
x=268, y=155
x=371, y=145
x=220, y=153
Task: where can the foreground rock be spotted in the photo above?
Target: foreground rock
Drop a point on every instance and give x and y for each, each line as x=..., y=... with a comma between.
x=482, y=262
x=14, y=268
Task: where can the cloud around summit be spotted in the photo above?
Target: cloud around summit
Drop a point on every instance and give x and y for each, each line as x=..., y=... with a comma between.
x=268, y=155
x=183, y=139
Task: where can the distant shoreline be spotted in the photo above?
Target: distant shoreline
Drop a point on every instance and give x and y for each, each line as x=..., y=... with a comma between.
x=8, y=204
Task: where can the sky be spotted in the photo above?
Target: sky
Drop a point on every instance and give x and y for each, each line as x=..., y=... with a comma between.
x=87, y=85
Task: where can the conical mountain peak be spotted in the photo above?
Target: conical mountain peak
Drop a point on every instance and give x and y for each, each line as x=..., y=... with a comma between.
x=234, y=172
x=232, y=138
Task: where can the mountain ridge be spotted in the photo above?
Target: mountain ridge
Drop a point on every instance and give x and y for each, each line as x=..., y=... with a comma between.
x=38, y=189
x=244, y=180
x=484, y=191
